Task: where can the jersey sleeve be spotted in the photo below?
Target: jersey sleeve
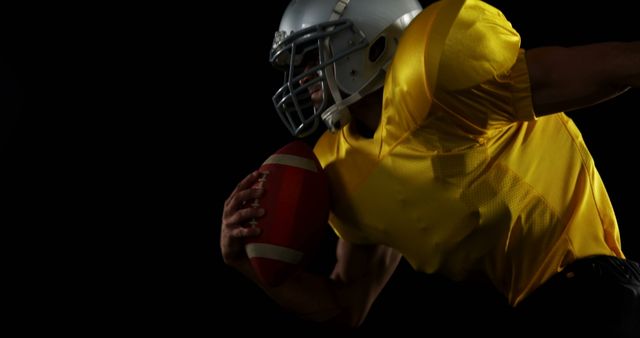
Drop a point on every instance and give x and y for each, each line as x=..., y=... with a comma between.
x=461, y=57
x=483, y=76
x=480, y=45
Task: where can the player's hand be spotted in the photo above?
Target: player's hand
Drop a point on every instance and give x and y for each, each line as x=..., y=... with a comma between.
x=237, y=214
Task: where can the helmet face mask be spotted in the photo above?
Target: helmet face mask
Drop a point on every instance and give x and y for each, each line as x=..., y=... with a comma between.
x=307, y=59
x=327, y=57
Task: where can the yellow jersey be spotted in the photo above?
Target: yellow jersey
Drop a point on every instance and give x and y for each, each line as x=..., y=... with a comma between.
x=460, y=176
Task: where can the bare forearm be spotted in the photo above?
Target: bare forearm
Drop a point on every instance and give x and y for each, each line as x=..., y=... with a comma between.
x=630, y=64
x=616, y=64
x=563, y=79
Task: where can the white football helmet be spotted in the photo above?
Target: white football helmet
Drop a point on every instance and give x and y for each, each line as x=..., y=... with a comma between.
x=336, y=49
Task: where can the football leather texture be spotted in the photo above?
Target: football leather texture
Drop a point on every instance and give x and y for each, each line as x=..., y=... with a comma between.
x=296, y=204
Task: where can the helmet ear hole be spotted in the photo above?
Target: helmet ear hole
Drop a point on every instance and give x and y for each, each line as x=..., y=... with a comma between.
x=377, y=49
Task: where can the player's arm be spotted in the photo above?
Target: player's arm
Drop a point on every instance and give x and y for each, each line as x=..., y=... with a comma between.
x=564, y=79
x=360, y=274
x=344, y=298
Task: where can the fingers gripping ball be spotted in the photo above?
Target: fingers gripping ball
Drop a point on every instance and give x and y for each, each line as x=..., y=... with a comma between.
x=296, y=201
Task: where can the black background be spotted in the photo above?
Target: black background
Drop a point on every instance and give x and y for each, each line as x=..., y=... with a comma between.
x=124, y=130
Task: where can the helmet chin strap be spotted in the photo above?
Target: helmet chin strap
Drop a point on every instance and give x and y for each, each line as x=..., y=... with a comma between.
x=338, y=114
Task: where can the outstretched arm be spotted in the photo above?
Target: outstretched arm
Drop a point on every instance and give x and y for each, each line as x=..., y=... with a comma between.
x=564, y=79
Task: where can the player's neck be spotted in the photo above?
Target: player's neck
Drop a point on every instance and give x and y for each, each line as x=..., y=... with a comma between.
x=366, y=114
x=360, y=128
